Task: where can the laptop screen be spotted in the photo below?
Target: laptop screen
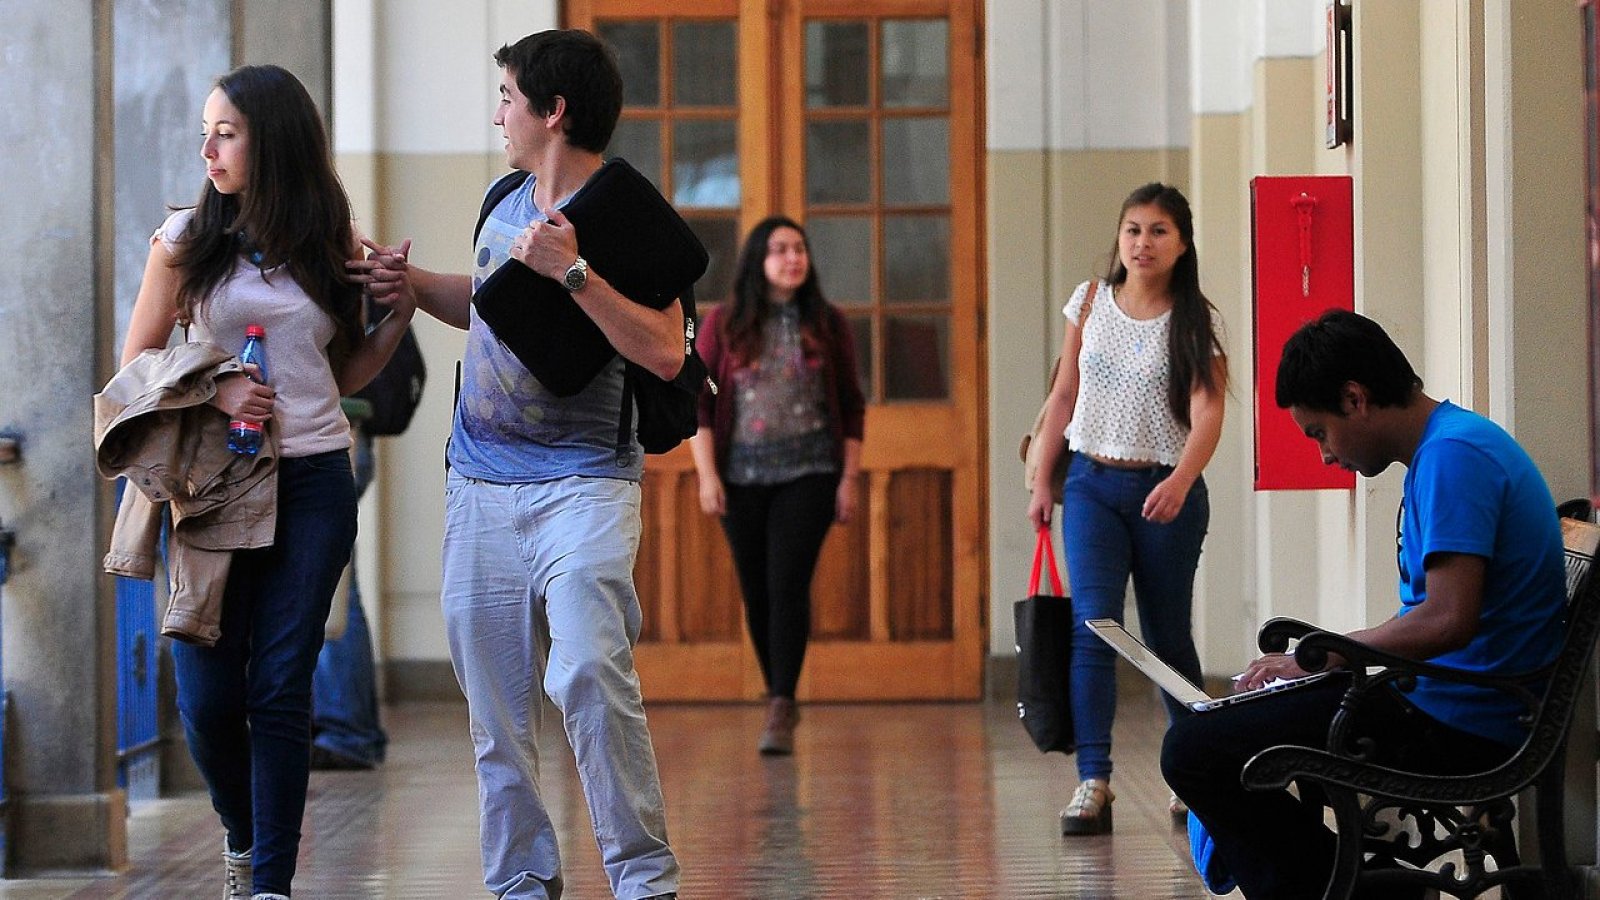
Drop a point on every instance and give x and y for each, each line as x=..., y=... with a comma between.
x=1131, y=649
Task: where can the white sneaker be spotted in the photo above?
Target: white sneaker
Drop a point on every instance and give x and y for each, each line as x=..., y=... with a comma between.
x=269, y=897
x=239, y=872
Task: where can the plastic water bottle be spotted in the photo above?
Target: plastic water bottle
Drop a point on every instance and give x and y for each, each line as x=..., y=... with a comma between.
x=244, y=438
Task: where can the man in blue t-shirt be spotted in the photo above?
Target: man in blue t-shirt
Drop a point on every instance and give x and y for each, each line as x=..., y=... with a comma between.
x=1481, y=588
x=541, y=524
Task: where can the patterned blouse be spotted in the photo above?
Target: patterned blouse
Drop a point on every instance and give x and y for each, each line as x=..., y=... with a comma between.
x=780, y=421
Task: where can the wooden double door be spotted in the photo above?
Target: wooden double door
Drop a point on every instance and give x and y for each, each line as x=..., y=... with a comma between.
x=862, y=120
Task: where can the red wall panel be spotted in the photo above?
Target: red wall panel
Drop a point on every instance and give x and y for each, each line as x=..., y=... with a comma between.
x=1303, y=262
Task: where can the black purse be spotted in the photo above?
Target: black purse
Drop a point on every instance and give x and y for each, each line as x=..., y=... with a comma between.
x=1044, y=657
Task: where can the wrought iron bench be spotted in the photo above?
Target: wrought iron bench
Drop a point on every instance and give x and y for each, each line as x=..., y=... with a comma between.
x=1398, y=827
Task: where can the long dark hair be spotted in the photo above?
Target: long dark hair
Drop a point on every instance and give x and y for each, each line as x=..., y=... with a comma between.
x=293, y=210
x=742, y=327
x=1192, y=342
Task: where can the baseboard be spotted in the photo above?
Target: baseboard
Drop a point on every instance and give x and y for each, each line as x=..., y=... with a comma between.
x=420, y=680
x=432, y=680
x=1000, y=678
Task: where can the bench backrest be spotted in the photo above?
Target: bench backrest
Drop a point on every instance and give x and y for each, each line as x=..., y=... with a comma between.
x=1581, y=541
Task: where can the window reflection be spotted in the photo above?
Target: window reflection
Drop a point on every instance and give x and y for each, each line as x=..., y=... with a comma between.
x=704, y=64
x=837, y=169
x=638, y=49
x=916, y=64
x=837, y=64
x=916, y=161
x=915, y=354
x=841, y=250
x=916, y=259
x=639, y=142
x=705, y=164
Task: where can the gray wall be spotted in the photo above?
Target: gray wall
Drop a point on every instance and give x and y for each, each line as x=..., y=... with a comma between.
x=67, y=811
x=99, y=134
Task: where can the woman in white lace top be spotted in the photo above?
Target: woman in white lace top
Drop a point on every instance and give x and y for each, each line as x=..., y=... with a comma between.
x=1139, y=400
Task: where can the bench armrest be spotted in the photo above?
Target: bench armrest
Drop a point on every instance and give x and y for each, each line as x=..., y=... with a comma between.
x=1275, y=635
x=1314, y=648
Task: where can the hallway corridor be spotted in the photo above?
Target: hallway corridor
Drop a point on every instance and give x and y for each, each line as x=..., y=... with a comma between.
x=894, y=801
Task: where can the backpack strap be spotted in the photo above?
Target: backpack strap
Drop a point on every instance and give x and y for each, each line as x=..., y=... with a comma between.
x=625, y=417
x=1088, y=304
x=497, y=192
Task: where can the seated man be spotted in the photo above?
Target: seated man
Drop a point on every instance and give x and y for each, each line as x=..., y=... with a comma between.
x=1481, y=588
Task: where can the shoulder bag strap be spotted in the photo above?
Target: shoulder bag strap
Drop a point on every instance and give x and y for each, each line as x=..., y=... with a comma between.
x=1088, y=302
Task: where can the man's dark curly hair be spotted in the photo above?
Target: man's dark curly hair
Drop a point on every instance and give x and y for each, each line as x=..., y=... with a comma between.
x=576, y=66
x=1339, y=347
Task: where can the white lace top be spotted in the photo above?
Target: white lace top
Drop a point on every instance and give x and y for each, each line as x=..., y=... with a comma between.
x=1123, y=372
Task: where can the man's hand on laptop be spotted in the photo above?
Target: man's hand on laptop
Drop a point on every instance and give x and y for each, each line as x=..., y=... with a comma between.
x=1273, y=668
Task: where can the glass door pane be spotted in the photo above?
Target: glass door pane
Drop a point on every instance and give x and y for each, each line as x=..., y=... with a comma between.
x=877, y=192
x=680, y=125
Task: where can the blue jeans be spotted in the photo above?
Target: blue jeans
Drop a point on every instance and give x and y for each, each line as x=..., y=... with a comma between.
x=539, y=601
x=344, y=718
x=1106, y=541
x=345, y=690
x=246, y=703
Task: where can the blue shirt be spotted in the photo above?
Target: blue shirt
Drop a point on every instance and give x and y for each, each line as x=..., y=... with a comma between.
x=1472, y=489
x=508, y=429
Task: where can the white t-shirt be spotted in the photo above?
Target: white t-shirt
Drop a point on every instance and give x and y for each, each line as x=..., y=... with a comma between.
x=1123, y=373
x=309, y=419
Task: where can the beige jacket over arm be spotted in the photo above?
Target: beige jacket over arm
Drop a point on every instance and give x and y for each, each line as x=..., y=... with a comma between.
x=154, y=426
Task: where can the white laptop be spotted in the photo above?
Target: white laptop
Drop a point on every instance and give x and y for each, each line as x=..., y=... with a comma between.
x=1171, y=681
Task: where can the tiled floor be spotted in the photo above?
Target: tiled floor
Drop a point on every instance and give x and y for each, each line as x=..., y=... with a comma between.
x=895, y=801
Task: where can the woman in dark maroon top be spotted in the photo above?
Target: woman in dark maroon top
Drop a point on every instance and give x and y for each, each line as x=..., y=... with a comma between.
x=779, y=446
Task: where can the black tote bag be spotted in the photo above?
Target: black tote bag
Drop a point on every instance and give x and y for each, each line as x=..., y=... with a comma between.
x=1044, y=657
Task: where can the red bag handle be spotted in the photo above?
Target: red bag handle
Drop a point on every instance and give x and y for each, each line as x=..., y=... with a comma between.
x=1044, y=550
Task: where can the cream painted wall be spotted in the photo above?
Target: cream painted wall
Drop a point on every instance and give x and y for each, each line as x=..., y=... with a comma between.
x=1052, y=224
x=1089, y=103
x=1535, y=244
x=1224, y=610
x=414, y=95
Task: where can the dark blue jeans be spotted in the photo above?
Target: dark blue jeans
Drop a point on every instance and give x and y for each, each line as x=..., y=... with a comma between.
x=1107, y=541
x=246, y=703
x=344, y=716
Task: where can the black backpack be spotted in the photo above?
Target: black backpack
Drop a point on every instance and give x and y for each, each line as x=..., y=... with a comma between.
x=668, y=409
x=396, y=391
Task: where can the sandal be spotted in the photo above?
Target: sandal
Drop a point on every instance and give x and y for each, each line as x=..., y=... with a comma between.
x=1090, y=809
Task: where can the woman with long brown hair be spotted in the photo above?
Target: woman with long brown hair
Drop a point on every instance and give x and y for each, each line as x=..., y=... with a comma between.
x=266, y=245
x=1139, y=399
x=779, y=446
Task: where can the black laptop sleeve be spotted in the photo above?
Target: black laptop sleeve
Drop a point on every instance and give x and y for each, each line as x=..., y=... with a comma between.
x=632, y=237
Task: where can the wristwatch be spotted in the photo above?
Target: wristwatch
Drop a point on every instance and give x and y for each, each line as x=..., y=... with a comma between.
x=577, y=275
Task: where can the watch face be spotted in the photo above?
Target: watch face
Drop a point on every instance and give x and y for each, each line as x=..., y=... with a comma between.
x=576, y=277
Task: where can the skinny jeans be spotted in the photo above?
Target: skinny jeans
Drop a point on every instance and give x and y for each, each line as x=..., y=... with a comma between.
x=1107, y=541
x=775, y=532
x=246, y=702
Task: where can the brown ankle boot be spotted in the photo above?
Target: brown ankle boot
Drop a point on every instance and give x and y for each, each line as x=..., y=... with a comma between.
x=777, y=739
